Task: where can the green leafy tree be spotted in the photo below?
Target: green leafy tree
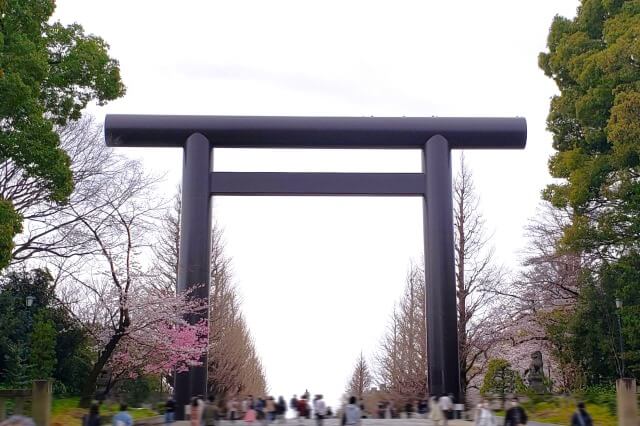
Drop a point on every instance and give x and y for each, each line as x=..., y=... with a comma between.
x=42, y=348
x=595, y=120
x=592, y=334
x=10, y=225
x=137, y=391
x=20, y=333
x=500, y=379
x=48, y=74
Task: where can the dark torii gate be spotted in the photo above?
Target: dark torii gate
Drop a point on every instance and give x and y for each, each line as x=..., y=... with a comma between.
x=435, y=136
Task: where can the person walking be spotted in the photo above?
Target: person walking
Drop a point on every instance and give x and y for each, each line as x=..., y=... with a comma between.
x=244, y=406
x=232, y=409
x=93, y=417
x=250, y=415
x=320, y=409
x=169, y=411
x=423, y=406
x=515, y=416
x=408, y=408
x=363, y=412
x=263, y=414
x=123, y=418
x=293, y=404
x=195, y=413
x=210, y=413
x=270, y=409
x=446, y=406
x=435, y=413
x=352, y=414
x=484, y=415
x=281, y=410
x=260, y=412
x=581, y=417
x=303, y=410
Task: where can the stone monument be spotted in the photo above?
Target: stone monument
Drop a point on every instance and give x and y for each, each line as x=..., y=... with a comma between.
x=534, y=375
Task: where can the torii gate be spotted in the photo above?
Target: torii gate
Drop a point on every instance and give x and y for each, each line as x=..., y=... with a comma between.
x=435, y=136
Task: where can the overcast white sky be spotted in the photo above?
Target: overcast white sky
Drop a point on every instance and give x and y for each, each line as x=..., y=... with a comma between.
x=319, y=276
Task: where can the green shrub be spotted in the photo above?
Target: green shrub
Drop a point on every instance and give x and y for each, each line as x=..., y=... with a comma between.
x=602, y=395
x=136, y=391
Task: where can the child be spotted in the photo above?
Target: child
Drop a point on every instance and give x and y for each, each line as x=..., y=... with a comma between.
x=250, y=415
x=195, y=413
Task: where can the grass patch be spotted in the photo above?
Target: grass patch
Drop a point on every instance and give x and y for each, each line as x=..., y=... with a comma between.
x=559, y=411
x=65, y=412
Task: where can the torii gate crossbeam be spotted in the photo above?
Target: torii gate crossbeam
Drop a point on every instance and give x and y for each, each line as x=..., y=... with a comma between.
x=435, y=136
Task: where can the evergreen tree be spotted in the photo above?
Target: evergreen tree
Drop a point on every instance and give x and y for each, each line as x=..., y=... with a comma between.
x=42, y=348
x=595, y=120
x=17, y=369
x=499, y=380
x=40, y=341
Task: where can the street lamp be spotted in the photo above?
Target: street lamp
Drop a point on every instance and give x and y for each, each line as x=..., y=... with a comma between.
x=30, y=300
x=618, y=308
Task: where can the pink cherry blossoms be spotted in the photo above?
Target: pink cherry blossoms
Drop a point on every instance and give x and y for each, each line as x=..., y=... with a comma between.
x=159, y=339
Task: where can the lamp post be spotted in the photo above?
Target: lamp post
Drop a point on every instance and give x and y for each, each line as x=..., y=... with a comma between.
x=618, y=308
x=626, y=388
x=29, y=301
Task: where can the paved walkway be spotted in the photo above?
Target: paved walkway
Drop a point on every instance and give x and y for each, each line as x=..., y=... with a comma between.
x=366, y=422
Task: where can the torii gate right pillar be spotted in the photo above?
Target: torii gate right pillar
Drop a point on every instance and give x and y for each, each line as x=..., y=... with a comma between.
x=442, y=327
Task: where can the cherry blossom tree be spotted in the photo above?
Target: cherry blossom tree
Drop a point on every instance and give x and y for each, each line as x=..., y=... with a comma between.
x=543, y=296
x=135, y=328
x=159, y=340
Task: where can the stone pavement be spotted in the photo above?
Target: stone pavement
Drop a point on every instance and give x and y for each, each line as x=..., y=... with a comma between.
x=365, y=422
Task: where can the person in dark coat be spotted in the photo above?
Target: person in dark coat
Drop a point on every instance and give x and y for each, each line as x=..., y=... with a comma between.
x=408, y=408
x=169, y=411
x=581, y=417
x=515, y=415
x=93, y=418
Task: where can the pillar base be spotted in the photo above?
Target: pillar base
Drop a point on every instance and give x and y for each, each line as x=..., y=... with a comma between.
x=627, y=402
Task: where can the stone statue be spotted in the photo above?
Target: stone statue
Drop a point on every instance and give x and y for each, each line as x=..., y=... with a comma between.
x=535, y=373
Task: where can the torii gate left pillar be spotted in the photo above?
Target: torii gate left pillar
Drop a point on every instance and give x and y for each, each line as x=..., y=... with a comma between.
x=194, y=263
x=436, y=137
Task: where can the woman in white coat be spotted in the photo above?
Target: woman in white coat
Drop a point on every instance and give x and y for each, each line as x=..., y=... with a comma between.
x=435, y=413
x=484, y=415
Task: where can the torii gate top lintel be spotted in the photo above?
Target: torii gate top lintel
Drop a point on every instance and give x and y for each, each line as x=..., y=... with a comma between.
x=315, y=132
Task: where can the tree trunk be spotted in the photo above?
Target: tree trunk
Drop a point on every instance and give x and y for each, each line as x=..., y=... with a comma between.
x=89, y=388
x=462, y=295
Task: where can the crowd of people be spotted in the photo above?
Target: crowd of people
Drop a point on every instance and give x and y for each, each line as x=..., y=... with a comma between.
x=438, y=409
x=263, y=410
